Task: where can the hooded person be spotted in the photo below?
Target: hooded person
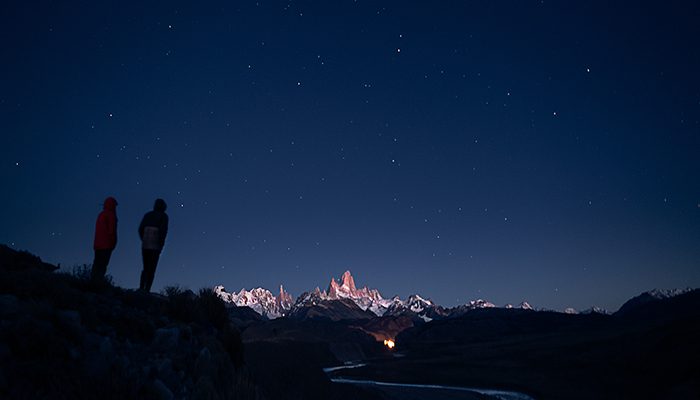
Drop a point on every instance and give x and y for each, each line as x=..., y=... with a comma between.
x=105, y=238
x=152, y=231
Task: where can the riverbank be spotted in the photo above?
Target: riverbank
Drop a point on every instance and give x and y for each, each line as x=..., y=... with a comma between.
x=409, y=391
x=405, y=391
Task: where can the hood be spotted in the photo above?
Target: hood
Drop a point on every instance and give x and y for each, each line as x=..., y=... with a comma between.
x=160, y=205
x=110, y=204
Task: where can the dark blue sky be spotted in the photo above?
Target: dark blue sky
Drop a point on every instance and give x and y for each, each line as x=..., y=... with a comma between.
x=546, y=151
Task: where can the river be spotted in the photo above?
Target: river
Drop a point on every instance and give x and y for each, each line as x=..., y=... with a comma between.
x=410, y=391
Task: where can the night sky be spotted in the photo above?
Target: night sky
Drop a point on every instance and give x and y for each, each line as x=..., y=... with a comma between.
x=525, y=150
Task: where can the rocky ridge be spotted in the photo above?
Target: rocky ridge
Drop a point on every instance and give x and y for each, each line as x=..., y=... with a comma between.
x=63, y=335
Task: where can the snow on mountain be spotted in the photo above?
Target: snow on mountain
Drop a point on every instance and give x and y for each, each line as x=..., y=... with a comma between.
x=365, y=298
x=414, y=304
x=310, y=298
x=650, y=296
x=284, y=300
x=595, y=310
x=480, y=303
x=260, y=300
x=265, y=303
x=570, y=310
x=525, y=306
x=221, y=292
x=471, y=305
x=660, y=294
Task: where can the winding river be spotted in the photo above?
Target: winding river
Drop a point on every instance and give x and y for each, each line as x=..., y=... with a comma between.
x=498, y=394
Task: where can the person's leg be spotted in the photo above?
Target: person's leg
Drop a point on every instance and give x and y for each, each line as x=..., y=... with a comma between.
x=107, y=256
x=99, y=264
x=95, y=271
x=144, y=257
x=151, y=272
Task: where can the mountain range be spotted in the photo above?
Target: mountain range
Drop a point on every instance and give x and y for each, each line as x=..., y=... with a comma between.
x=343, y=300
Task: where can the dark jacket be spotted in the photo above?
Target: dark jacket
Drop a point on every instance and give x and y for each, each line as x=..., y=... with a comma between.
x=106, y=226
x=154, y=227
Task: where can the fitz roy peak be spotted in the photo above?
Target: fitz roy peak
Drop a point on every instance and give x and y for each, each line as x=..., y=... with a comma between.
x=268, y=305
x=365, y=298
x=366, y=301
x=343, y=300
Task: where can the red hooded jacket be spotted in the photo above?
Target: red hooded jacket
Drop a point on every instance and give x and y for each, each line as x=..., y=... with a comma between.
x=106, y=226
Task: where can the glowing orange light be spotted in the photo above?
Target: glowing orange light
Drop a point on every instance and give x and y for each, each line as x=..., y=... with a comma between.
x=389, y=343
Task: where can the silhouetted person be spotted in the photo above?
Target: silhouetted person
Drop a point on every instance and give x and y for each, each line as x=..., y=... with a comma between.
x=105, y=238
x=153, y=230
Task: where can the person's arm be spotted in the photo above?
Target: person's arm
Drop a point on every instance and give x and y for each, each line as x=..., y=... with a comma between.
x=141, y=226
x=113, y=229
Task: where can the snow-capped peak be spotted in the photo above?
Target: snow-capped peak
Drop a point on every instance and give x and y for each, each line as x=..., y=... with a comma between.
x=595, y=310
x=260, y=300
x=667, y=293
x=266, y=304
x=348, y=282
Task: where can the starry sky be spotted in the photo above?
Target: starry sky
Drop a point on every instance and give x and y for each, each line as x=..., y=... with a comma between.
x=546, y=151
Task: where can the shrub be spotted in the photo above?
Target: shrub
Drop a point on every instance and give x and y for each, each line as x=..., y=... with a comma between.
x=171, y=291
x=82, y=272
x=212, y=308
x=180, y=305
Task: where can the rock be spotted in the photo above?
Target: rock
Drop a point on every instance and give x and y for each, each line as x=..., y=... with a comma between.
x=106, y=348
x=186, y=334
x=4, y=351
x=69, y=317
x=166, y=338
x=203, y=366
x=157, y=390
x=164, y=365
x=166, y=372
x=98, y=356
x=121, y=362
x=204, y=390
x=11, y=259
x=9, y=305
x=74, y=353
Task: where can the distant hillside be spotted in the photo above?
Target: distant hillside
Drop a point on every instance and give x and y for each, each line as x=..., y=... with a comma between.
x=649, y=351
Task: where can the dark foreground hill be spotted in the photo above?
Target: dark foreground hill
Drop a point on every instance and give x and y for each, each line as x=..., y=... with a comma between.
x=64, y=337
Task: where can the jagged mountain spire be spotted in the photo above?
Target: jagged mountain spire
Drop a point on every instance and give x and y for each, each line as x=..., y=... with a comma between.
x=265, y=303
x=349, y=282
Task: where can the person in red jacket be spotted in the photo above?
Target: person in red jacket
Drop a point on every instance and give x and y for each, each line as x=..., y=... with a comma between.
x=105, y=238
